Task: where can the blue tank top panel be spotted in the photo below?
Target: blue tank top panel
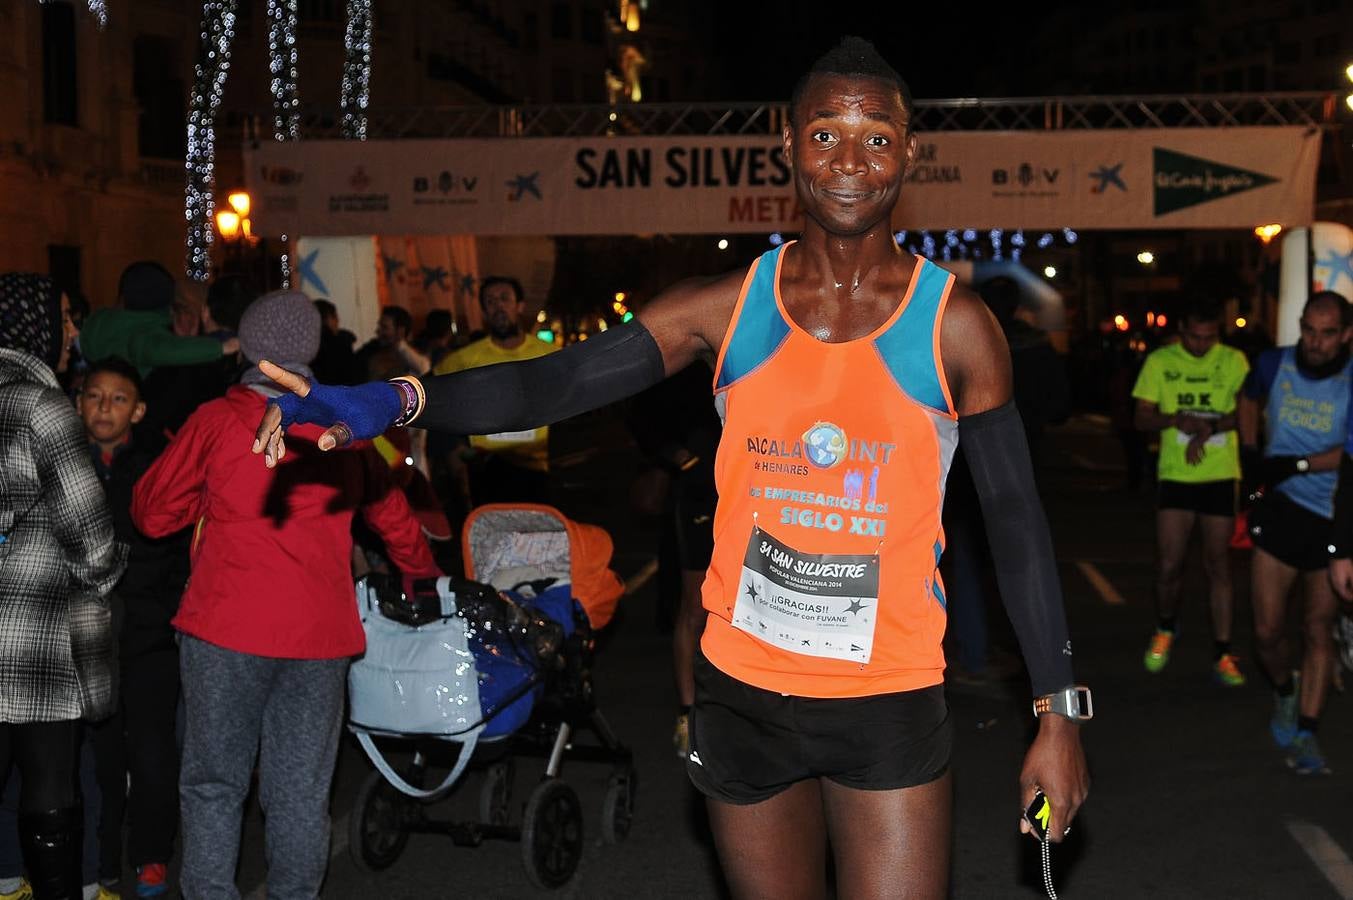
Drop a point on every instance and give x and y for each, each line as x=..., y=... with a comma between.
x=1307, y=416
x=760, y=330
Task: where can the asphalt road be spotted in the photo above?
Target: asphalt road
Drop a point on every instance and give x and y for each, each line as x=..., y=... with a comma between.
x=1190, y=798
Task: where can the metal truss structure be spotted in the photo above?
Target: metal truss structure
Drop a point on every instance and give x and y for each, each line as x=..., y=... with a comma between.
x=1314, y=109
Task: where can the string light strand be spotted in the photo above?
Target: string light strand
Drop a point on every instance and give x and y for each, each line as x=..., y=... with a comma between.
x=285, y=261
x=217, y=35
x=282, y=65
x=356, y=88
x=97, y=8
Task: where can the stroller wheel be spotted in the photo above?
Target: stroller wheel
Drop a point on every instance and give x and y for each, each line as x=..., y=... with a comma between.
x=617, y=810
x=376, y=835
x=551, y=834
x=496, y=794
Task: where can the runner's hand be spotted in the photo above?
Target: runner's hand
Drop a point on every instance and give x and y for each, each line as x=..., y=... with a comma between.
x=1055, y=764
x=1194, y=452
x=348, y=413
x=1341, y=576
x=1277, y=469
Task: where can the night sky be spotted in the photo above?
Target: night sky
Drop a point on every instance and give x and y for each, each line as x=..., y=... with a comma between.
x=766, y=45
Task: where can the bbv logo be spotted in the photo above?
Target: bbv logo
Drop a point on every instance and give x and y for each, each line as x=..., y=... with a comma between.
x=1024, y=176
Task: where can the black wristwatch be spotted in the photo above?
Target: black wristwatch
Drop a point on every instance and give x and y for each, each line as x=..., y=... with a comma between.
x=1074, y=702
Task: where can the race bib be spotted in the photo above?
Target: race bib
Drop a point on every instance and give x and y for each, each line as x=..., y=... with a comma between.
x=1217, y=440
x=513, y=437
x=814, y=604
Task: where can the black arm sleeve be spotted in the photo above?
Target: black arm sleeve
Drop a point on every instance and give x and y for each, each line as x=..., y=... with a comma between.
x=1021, y=544
x=1341, y=530
x=515, y=396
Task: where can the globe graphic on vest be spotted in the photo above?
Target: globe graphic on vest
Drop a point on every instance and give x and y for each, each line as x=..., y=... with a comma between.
x=825, y=444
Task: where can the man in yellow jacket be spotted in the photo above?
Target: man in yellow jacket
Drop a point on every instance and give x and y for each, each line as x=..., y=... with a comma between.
x=511, y=466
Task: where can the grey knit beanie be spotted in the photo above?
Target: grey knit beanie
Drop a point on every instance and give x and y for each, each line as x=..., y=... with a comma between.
x=282, y=327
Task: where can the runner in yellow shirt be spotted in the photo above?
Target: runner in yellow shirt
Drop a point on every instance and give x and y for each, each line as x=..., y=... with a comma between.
x=511, y=466
x=1188, y=392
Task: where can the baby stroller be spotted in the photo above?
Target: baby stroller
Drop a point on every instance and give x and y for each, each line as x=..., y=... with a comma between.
x=501, y=665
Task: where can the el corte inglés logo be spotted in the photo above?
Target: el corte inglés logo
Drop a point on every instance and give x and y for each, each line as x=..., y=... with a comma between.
x=1180, y=181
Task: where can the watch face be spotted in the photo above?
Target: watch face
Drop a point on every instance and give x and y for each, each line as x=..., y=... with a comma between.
x=1085, y=708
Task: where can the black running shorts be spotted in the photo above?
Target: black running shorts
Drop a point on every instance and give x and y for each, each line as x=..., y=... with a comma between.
x=1290, y=533
x=1207, y=498
x=748, y=744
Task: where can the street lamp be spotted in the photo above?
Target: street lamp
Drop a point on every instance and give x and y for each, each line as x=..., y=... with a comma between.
x=234, y=222
x=228, y=223
x=237, y=233
x=240, y=202
x=1267, y=233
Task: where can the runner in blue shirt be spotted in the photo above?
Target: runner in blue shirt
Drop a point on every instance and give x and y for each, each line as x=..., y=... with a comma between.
x=1303, y=394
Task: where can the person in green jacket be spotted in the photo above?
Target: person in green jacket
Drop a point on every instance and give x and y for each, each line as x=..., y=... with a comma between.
x=141, y=330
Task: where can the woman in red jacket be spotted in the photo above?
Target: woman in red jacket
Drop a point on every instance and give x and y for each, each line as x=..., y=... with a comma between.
x=268, y=620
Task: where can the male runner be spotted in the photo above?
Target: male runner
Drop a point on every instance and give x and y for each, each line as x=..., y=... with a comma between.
x=1187, y=391
x=847, y=370
x=1304, y=392
x=509, y=467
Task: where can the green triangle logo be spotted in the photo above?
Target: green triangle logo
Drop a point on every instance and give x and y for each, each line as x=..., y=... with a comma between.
x=1180, y=181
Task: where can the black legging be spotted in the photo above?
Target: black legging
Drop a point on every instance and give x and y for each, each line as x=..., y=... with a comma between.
x=45, y=755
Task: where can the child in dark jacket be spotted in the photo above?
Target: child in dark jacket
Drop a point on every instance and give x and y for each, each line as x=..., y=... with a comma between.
x=140, y=740
x=269, y=619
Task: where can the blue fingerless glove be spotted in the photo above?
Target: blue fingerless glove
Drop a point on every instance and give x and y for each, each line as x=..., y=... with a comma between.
x=367, y=409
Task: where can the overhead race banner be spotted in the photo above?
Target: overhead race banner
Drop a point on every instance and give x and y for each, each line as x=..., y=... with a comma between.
x=1165, y=178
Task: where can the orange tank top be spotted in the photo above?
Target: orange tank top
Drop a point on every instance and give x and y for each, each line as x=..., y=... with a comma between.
x=824, y=580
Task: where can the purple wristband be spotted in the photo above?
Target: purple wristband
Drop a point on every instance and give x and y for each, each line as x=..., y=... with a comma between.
x=410, y=401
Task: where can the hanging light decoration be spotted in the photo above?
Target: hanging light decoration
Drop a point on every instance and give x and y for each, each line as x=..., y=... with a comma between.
x=968, y=243
x=284, y=261
x=217, y=34
x=97, y=8
x=356, y=87
x=282, y=65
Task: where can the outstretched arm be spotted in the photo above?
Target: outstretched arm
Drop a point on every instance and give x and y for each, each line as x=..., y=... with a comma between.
x=677, y=325
x=977, y=365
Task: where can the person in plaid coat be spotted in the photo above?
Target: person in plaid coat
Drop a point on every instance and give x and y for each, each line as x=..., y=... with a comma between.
x=58, y=564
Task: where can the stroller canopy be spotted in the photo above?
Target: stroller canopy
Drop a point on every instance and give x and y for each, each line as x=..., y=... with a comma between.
x=505, y=544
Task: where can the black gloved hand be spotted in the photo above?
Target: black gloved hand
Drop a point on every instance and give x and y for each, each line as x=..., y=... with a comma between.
x=1251, y=472
x=1277, y=469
